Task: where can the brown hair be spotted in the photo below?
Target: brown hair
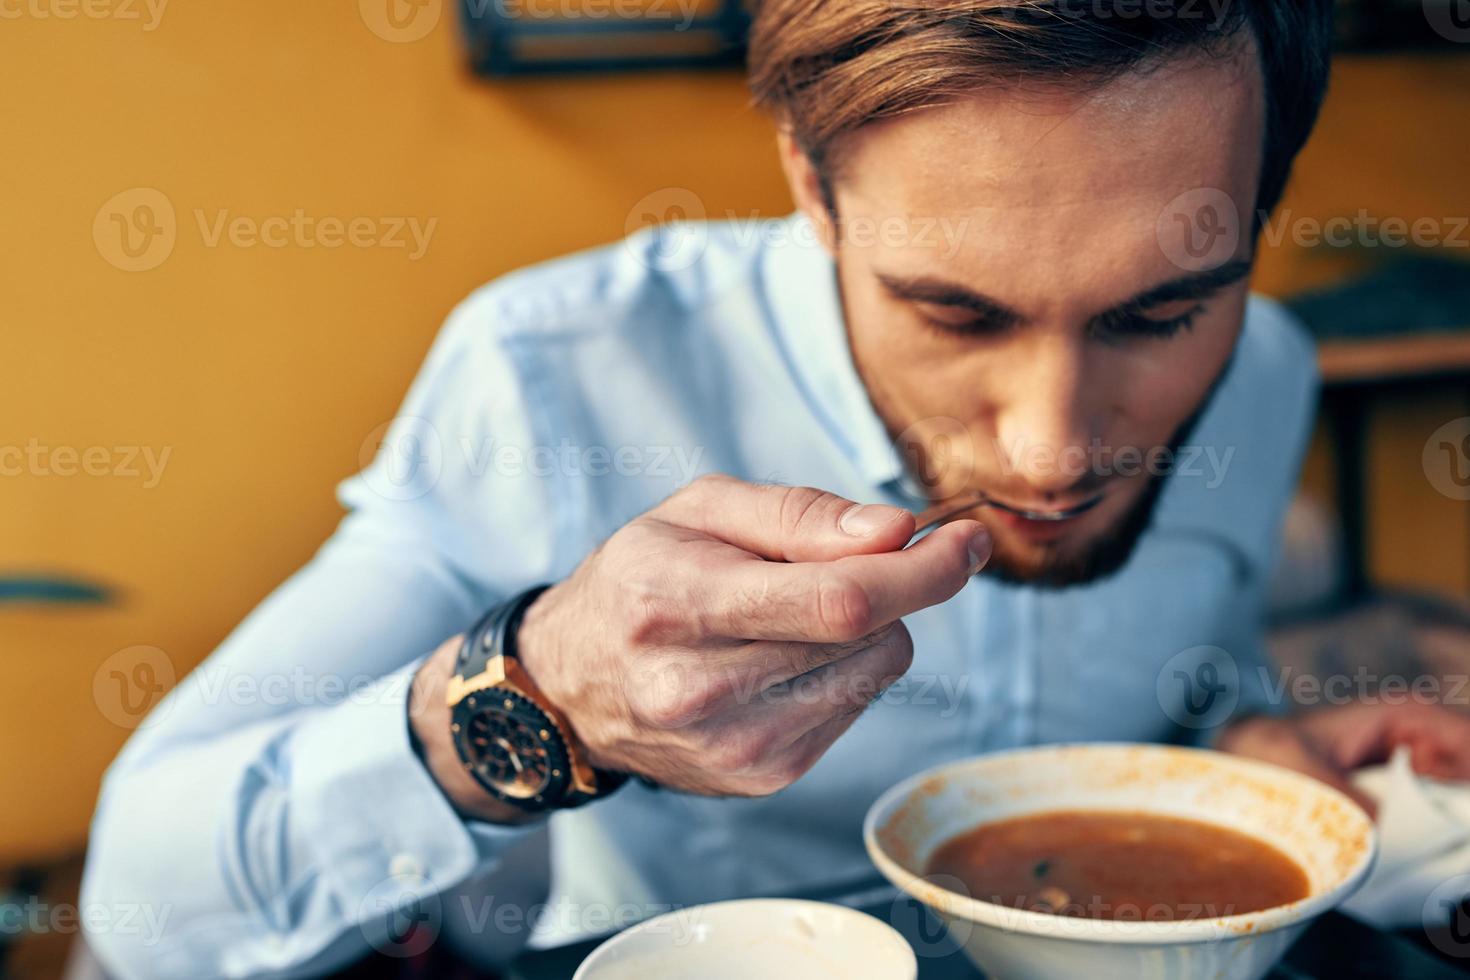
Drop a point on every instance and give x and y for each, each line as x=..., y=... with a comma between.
x=827, y=67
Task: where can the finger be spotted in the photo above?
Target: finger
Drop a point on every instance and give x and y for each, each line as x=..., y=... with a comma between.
x=1438, y=739
x=751, y=667
x=839, y=689
x=781, y=523
x=840, y=601
x=1425, y=757
x=810, y=746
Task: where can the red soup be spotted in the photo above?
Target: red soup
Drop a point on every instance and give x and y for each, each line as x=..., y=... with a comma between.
x=1117, y=865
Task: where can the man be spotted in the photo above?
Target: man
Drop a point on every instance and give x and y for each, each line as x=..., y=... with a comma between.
x=1019, y=267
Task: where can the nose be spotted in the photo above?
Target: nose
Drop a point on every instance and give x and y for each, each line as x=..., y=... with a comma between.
x=1042, y=419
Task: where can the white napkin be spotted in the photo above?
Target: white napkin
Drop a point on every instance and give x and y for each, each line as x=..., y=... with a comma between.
x=1423, y=847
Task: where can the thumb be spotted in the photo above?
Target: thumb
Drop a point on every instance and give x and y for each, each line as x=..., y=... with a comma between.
x=792, y=524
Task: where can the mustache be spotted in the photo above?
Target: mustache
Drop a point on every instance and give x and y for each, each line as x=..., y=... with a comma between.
x=941, y=454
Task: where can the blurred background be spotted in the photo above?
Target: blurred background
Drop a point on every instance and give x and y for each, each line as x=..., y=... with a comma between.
x=231, y=230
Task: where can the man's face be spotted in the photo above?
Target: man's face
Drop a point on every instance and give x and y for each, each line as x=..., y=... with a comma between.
x=1022, y=305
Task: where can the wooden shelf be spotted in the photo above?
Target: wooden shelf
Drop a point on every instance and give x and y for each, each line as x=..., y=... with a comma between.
x=1395, y=358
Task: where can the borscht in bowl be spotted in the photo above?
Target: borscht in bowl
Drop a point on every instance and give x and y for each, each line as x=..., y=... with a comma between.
x=1121, y=860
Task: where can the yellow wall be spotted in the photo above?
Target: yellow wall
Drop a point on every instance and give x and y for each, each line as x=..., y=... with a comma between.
x=263, y=371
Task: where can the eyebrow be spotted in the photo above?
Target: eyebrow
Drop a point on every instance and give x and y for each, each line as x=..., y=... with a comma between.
x=1195, y=286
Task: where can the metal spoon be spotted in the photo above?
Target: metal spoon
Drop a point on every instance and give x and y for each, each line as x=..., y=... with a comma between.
x=953, y=507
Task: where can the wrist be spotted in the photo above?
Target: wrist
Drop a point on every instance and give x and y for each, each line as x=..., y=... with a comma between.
x=429, y=721
x=538, y=651
x=511, y=737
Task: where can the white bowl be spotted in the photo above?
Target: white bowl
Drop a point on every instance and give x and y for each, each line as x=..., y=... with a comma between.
x=769, y=938
x=1321, y=829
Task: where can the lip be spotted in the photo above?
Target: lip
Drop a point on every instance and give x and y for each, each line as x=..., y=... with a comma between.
x=1035, y=530
x=1043, y=515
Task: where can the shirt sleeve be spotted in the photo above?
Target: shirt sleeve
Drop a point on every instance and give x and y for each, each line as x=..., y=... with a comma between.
x=271, y=813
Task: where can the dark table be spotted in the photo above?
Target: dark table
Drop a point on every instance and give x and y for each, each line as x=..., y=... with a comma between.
x=1334, y=948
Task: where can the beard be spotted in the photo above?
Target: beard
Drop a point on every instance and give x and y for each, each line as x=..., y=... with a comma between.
x=1100, y=558
x=1107, y=554
x=1058, y=567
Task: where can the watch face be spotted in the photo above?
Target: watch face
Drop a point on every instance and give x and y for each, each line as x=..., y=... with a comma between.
x=511, y=747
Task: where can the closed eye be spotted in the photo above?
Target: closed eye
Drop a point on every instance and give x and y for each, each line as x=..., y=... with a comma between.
x=1126, y=324
x=960, y=320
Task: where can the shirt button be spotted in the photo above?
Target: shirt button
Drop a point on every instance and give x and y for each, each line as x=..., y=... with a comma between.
x=406, y=866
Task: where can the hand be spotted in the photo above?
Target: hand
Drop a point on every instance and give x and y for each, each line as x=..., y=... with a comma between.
x=720, y=643
x=1329, y=743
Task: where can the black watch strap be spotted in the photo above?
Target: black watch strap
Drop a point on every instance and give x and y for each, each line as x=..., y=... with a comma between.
x=494, y=633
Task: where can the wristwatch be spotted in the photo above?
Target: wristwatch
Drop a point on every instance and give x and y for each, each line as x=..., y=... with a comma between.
x=510, y=737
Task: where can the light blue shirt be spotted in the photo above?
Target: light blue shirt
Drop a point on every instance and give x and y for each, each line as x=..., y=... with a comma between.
x=271, y=813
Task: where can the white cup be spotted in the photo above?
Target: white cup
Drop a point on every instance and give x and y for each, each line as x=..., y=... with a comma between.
x=768, y=938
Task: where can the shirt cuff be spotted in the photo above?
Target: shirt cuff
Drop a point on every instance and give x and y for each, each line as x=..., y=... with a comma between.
x=385, y=833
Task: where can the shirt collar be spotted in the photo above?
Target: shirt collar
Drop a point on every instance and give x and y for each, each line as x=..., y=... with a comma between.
x=806, y=308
